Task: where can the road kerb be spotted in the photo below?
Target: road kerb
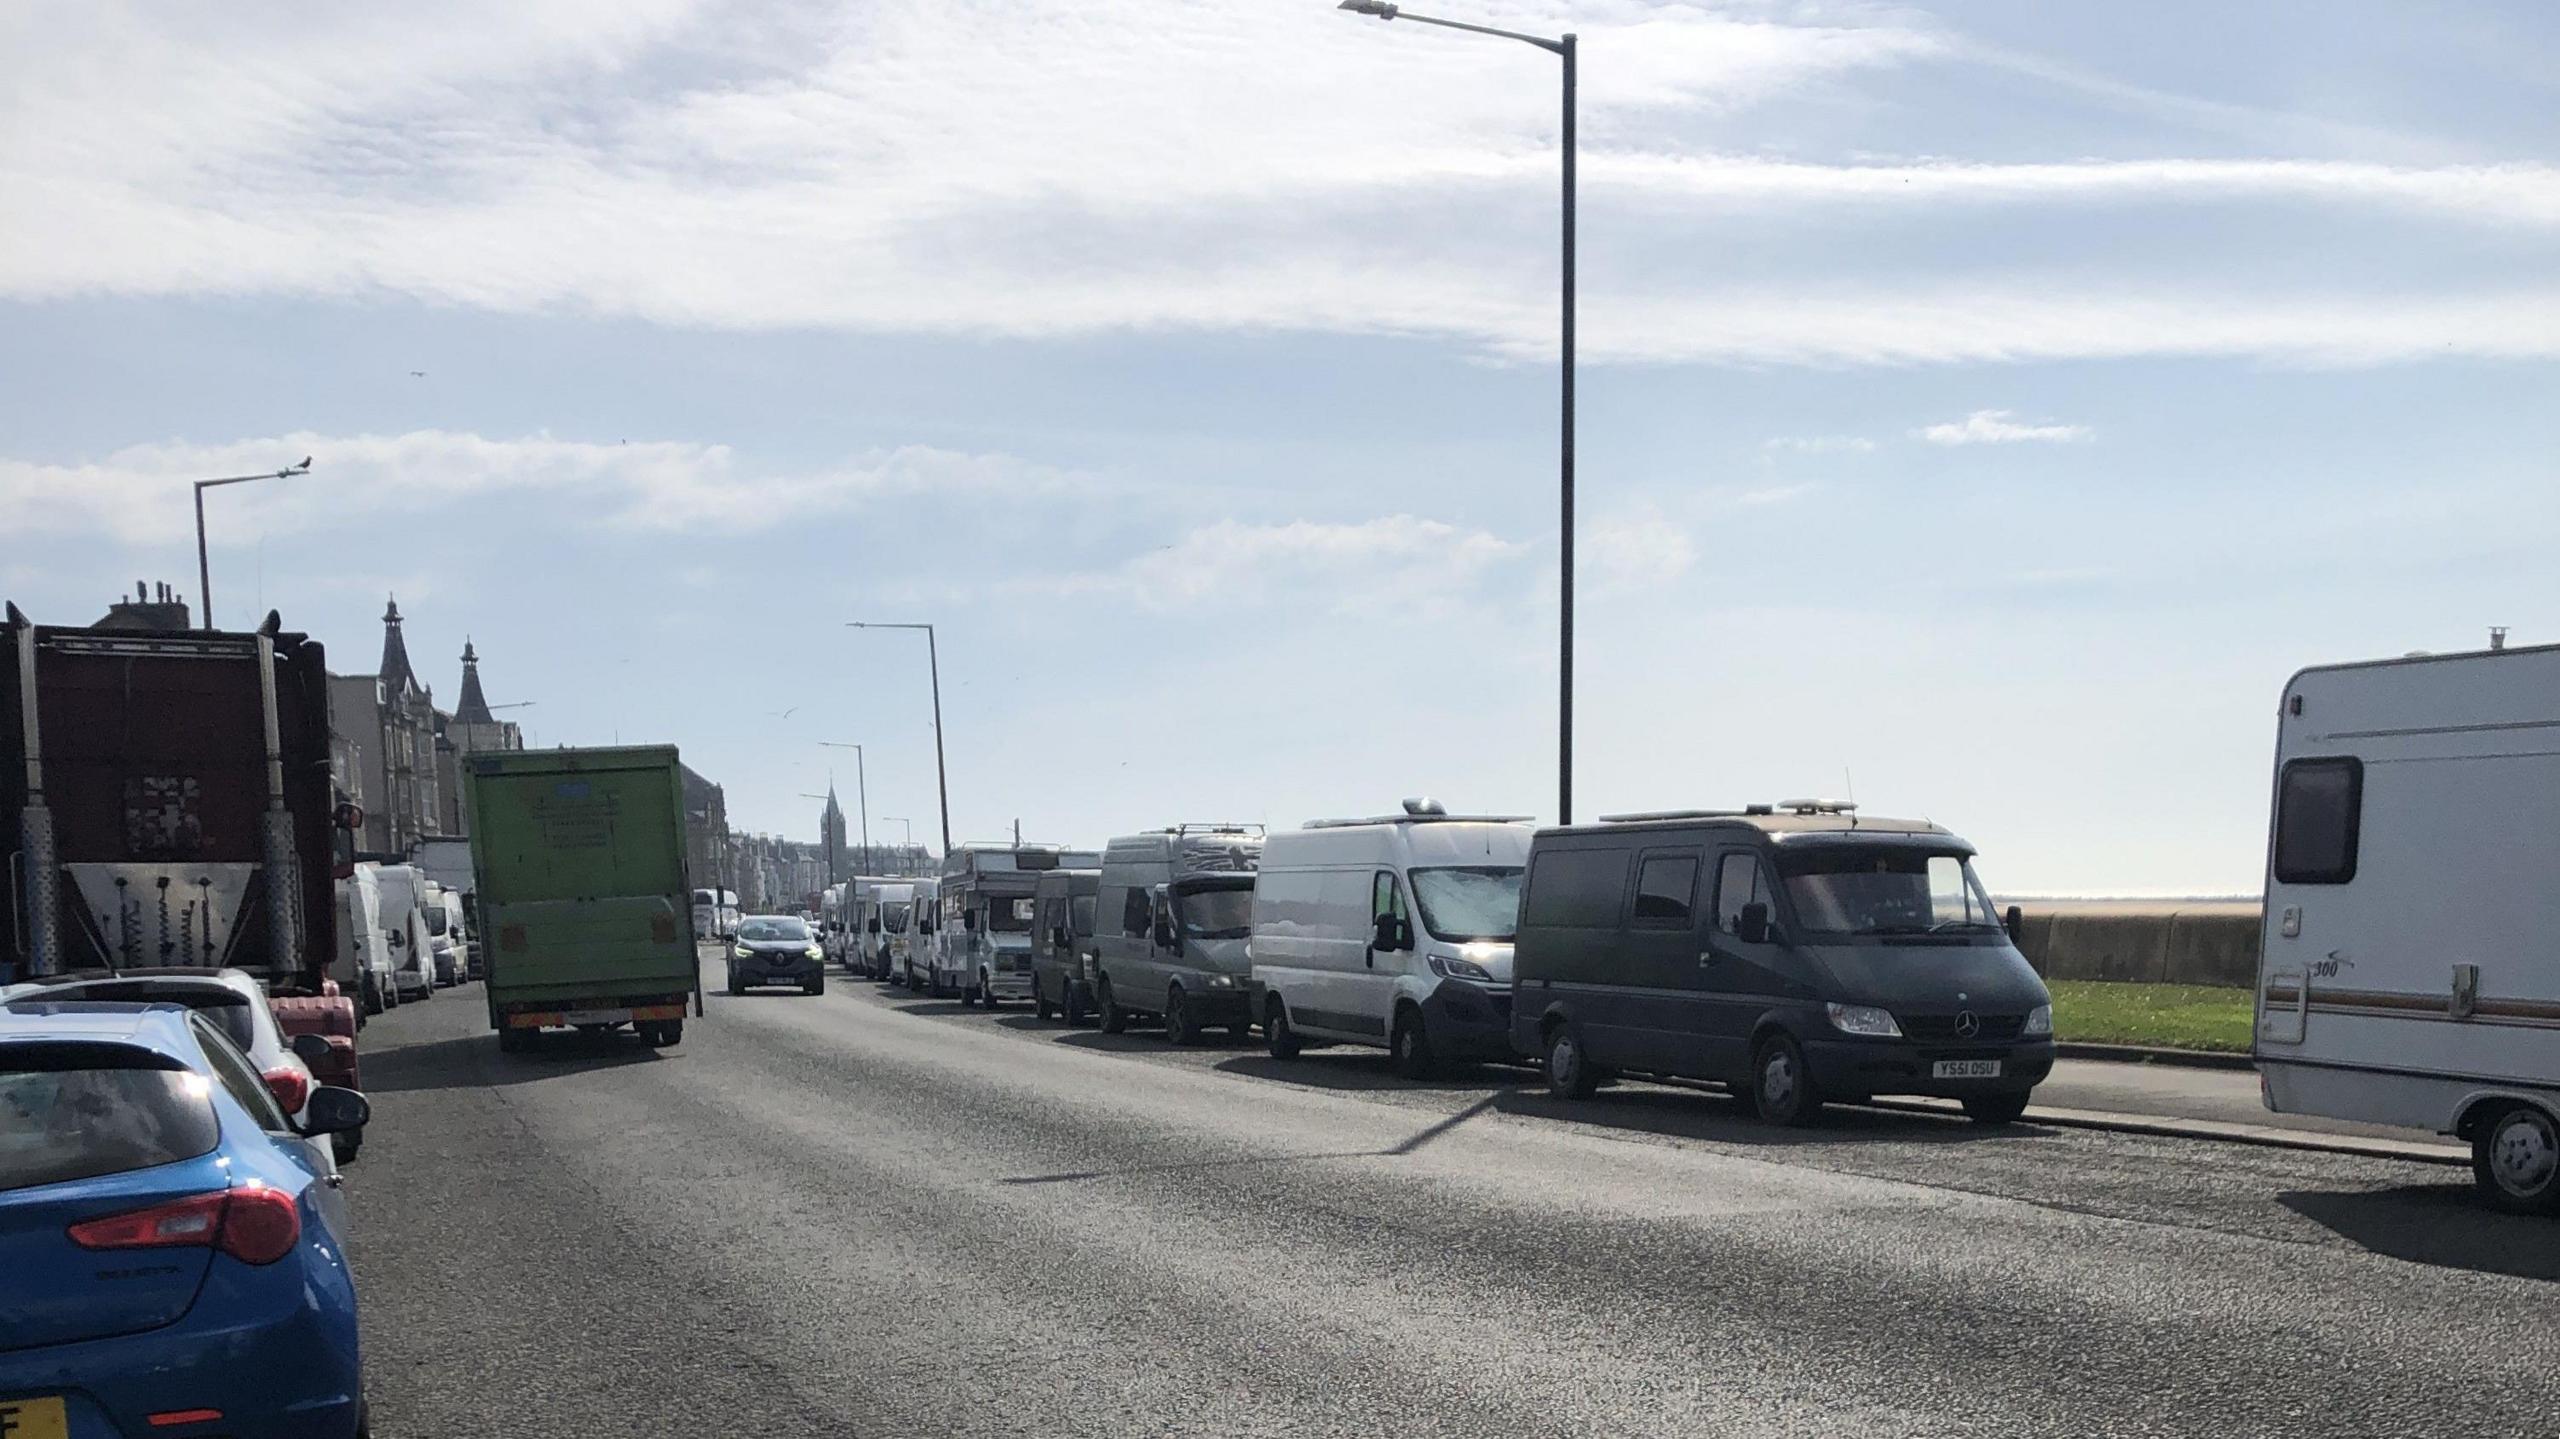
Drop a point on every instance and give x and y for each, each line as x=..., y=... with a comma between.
x=2263, y=1135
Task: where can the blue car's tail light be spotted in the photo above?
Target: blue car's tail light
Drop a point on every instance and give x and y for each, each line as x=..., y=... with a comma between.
x=255, y=1224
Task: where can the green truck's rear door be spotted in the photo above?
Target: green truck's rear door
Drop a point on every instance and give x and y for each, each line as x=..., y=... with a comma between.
x=580, y=860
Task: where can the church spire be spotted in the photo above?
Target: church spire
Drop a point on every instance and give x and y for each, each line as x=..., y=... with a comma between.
x=396, y=673
x=474, y=708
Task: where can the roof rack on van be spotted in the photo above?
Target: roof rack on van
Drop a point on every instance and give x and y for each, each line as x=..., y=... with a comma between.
x=1819, y=806
x=1443, y=817
x=1642, y=816
x=1219, y=827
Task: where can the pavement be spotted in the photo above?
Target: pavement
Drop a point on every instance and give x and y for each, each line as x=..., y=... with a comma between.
x=864, y=1214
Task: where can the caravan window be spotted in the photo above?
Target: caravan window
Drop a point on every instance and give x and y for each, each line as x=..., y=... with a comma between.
x=2319, y=812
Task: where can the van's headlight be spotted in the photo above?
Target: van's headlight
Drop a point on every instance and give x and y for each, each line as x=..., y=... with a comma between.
x=1863, y=1019
x=2039, y=1021
x=1449, y=968
x=1222, y=981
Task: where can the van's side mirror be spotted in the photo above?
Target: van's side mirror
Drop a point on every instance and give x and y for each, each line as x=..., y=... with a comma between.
x=875, y=926
x=1751, y=926
x=1390, y=933
x=1165, y=937
x=1059, y=939
x=311, y=1049
x=2014, y=920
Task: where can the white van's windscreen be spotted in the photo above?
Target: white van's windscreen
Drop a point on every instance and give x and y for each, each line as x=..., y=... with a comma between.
x=893, y=918
x=1478, y=902
x=1901, y=893
x=1222, y=913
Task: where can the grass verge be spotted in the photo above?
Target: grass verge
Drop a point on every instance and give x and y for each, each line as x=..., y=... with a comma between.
x=2169, y=1016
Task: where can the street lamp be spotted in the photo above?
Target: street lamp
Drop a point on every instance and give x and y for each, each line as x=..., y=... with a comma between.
x=941, y=776
x=204, y=567
x=1563, y=47
x=861, y=793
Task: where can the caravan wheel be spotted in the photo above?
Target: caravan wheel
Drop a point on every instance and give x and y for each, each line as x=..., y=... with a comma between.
x=2515, y=1155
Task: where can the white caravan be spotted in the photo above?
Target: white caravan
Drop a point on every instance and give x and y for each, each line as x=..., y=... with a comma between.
x=1394, y=932
x=2405, y=973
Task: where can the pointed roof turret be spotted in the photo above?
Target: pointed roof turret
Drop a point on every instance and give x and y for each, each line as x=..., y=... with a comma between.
x=396, y=673
x=474, y=708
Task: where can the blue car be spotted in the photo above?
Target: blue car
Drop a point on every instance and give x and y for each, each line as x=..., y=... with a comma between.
x=170, y=1245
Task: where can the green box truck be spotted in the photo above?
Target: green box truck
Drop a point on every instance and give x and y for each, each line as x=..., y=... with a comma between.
x=585, y=912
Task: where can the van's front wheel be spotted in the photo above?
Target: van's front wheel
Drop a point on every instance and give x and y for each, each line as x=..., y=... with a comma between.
x=1570, y=1073
x=1781, y=1086
x=1412, y=1046
x=2515, y=1156
x=1178, y=1025
x=1277, y=1032
x=1115, y=1020
x=1996, y=1108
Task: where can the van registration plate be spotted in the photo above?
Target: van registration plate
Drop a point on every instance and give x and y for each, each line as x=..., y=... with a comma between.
x=596, y=1016
x=34, y=1419
x=1965, y=1069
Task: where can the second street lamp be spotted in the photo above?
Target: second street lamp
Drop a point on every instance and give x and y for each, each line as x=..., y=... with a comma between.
x=1563, y=47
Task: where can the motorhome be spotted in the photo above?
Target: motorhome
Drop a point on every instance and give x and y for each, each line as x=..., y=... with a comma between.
x=1393, y=932
x=1061, y=931
x=1798, y=952
x=982, y=946
x=405, y=928
x=2404, y=971
x=1173, y=909
x=715, y=913
x=912, y=964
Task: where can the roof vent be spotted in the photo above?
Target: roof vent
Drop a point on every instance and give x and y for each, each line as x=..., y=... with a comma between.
x=1819, y=806
x=1425, y=806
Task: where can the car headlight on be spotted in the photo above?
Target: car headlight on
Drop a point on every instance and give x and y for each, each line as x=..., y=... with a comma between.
x=741, y=952
x=814, y=952
x=2039, y=1021
x=1863, y=1019
x=1222, y=981
x=1449, y=968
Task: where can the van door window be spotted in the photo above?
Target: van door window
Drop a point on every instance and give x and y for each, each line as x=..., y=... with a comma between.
x=2319, y=816
x=1137, y=916
x=1386, y=897
x=1739, y=882
x=1666, y=891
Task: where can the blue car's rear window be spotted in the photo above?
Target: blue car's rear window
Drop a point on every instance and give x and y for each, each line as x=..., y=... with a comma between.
x=76, y=1111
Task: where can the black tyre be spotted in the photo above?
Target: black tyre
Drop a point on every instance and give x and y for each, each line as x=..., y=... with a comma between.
x=736, y=985
x=1071, y=1008
x=511, y=1041
x=1041, y=1008
x=969, y=997
x=1996, y=1108
x=1570, y=1072
x=372, y=989
x=1179, y=1027
x=1411, y=1046
x=817, y=984
x=1781, y=1087
x=1277, y=1034
x=987, y=991
x=2515, y=1157
x=1115, y=1020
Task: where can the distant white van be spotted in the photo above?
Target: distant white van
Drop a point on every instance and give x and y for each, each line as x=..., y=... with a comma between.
x=2405, y=974
x=363, y=964
x=1394, y=931
x=403, y=893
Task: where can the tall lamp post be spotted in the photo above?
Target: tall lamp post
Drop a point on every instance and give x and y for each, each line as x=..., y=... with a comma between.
x=204, y=566
x=941, y=776
x=1563, y=47
x=861, y=793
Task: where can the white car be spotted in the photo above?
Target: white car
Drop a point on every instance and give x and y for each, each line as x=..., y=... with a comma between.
x=233, y=999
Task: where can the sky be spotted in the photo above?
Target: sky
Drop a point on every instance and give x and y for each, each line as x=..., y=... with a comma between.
x=1984, y=408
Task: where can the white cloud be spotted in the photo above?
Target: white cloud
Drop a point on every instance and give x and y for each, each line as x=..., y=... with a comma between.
x=1818, y=444
x=1998, y=427
x=1062, y=167
x=140, y=494
x=1393, y=560
x=1636, y=549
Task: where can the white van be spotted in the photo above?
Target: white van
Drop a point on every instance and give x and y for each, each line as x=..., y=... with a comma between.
x=1394, y=931
x=1171, y=914
x=887, y=912
x=2405, y=973
x=913, y=965
x=404, y=929
x=363, y=964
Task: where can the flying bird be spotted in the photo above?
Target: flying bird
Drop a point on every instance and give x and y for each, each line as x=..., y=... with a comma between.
x=784, y=714
x=417, y=374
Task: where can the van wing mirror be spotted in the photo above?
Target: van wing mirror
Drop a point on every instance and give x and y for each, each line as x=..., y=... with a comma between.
x=1390, y=933
x=1751, y=926
x=311, y=1048
x=1165, y=937
x=2014, y=920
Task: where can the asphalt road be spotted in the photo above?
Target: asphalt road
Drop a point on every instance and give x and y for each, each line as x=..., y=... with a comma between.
x=861, y=1214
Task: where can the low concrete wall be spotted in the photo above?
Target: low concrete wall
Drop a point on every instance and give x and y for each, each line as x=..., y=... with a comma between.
x=2144, y=941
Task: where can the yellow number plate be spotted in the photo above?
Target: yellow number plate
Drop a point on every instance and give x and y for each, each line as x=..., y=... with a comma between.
x=34, y=1419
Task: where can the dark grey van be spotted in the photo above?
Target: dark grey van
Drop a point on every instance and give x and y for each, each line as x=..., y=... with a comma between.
x=1061, y=931
x=1797, y=952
